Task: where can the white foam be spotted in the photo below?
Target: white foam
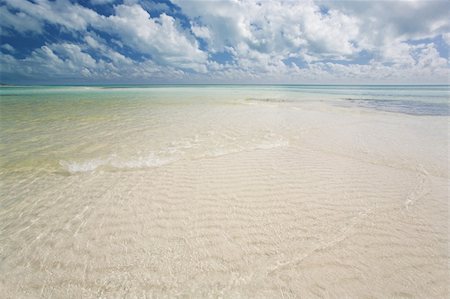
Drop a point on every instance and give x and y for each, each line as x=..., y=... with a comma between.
x=148, y=161
x=177, y=150
x=86, y=166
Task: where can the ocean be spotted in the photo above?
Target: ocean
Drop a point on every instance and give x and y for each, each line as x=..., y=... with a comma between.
x=224, y=190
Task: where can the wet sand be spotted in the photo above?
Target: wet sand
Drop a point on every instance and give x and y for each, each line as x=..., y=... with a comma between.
x=273, y=200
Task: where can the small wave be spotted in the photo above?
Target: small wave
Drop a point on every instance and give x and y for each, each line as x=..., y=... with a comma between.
x=74, y=167
x=114, y=162
x=174, y=151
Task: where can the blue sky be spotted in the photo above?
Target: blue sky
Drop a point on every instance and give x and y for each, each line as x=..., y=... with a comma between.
x=184, y=41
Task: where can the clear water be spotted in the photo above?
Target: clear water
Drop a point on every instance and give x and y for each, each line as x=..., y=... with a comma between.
x=83, y=128
x=224, y=191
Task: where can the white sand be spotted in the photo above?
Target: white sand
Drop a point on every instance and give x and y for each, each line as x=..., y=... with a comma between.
x=280, y=201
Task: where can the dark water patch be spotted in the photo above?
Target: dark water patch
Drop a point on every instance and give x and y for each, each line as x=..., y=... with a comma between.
x=16, y=95
x=403, y=106
x=268, y=100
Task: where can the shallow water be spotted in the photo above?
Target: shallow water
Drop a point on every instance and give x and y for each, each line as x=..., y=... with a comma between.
x=234, y=191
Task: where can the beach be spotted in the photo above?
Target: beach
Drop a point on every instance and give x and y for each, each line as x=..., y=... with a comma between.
x=232, y=191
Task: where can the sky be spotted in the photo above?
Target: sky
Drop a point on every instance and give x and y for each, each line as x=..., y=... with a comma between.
x=226, y=41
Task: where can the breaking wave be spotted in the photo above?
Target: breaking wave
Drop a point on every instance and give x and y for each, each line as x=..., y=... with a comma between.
x=114, y=162
x=176, y=151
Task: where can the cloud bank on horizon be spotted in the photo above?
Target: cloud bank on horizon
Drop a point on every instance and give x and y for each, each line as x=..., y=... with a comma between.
x=185, y=41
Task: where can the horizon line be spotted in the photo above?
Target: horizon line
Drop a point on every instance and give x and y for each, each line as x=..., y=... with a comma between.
x=224, y=84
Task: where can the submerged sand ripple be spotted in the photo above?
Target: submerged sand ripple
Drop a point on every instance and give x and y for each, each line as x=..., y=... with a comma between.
x=352, y=205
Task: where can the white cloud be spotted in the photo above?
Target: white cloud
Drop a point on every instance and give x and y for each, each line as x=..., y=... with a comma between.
x=413, y=19
x=159, y=37
x=268, y=41
x=8, y=48
x=386, y=25
x=260, y=35
x=279, y=28
x=60, y=61
x=396, y=52
x=60, y=12
x=427, y=57
x=100, y=2
x=201, y=32
x=446, y=38
x=20, y=21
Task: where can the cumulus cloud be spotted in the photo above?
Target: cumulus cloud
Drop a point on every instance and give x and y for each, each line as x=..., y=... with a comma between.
x=410, y=19
x=159, y=37
x=446, y=38
x=273, y=27
x=228, y=41
x=326, y=36
x=8, y=48
x=61, y=12
x=20, y=22
x=201, y=32
x=61, y=61
x=100, y=2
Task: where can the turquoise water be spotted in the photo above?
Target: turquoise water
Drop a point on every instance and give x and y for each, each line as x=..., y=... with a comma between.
x=60, y=128
x=426, y=93
x=235, y=190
